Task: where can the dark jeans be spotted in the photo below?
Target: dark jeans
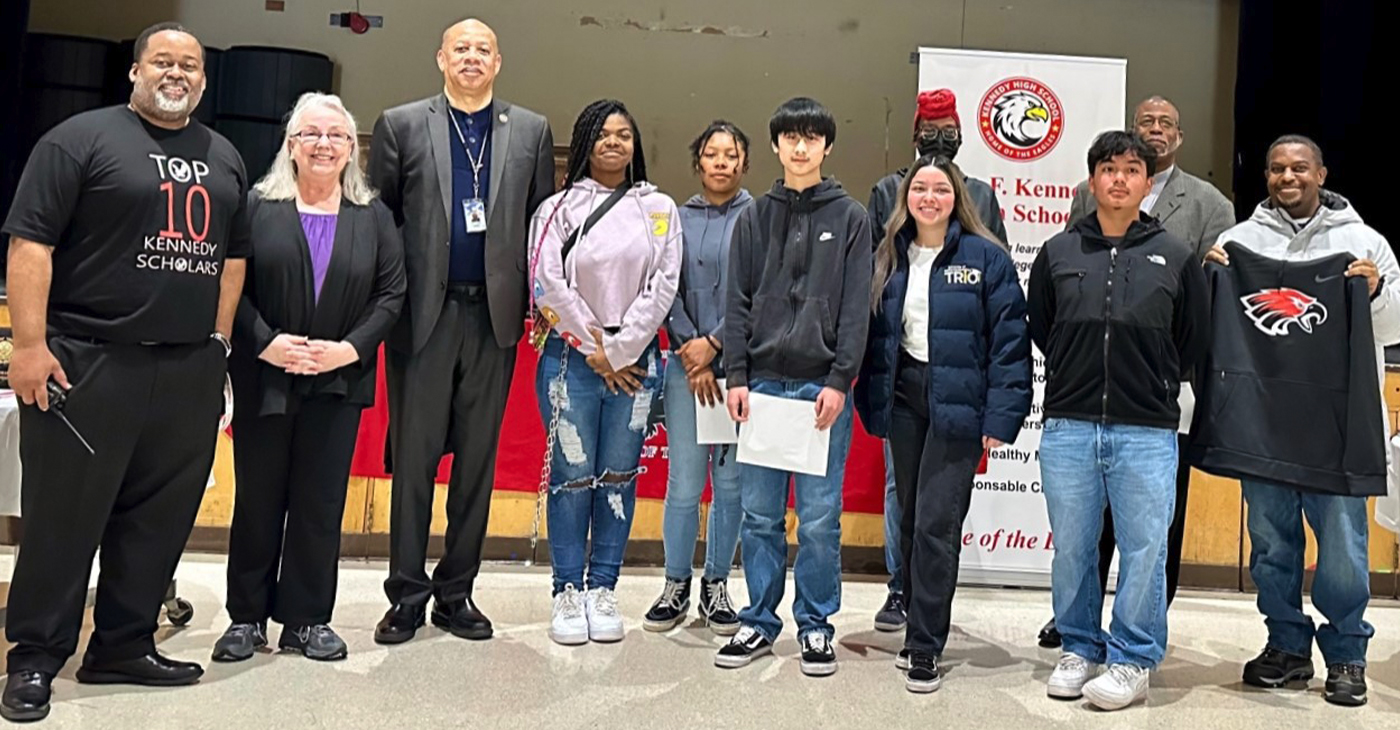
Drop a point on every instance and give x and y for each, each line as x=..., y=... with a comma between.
x=934, y=477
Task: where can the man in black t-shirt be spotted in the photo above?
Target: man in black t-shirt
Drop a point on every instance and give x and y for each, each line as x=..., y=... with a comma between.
x=127, y=242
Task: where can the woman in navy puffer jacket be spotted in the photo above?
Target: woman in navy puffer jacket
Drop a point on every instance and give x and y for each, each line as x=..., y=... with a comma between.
x=947, y=375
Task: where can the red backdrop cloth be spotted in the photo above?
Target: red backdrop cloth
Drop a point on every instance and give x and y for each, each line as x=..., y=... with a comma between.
x=522, y=448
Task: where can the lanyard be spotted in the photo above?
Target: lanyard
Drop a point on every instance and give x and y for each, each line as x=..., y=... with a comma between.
x=475, y=161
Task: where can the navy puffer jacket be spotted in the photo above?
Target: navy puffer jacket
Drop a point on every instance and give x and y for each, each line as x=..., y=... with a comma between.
x=979, y=352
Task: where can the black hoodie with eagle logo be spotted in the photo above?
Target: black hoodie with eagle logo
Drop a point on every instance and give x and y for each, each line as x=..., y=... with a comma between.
x=1290, y=391
x=799, y=288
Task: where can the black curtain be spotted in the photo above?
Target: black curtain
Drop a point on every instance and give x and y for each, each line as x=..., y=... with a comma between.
x=1326, y=69
x=14, y=20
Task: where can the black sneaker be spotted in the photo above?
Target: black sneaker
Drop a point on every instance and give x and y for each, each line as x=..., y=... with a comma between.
x=670, y=608
x=239, y=642
x=892, y=616
x=818, y=655
x=1346, y=685
x=716, y=607
x=923, y=676
x=901, y=661
x=1050, y=636
x=746, y=646
x=1273, y=669
x=317, y=642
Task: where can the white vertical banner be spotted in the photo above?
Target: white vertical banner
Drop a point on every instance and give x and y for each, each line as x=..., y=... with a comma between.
x=1027, y=121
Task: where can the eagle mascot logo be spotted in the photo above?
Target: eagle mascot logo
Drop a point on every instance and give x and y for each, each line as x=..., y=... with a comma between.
x=1020, y=119
x=1273, y=310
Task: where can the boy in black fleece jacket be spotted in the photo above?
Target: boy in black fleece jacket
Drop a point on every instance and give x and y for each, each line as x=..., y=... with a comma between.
x=795, y=327
x=1119, y=307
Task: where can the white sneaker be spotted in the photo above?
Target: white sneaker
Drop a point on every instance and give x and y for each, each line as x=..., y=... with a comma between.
x=1120, y=686
x=1070, y=676
x=604, y=622
x=568, y=625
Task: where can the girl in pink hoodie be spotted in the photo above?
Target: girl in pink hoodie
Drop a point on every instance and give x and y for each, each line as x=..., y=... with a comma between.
x=605, y=283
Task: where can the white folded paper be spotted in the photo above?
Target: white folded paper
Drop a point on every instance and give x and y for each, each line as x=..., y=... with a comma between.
x=1187, y=402
x=782, y=434
x=712, y=423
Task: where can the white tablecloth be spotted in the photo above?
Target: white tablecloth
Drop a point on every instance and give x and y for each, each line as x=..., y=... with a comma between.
x=9, y=454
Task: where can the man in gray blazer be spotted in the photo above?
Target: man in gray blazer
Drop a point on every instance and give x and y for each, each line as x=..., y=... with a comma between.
x=462, y=172
x=1195, y=212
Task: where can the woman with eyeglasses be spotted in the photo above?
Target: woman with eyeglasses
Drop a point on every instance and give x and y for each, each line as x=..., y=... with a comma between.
x=325, y=283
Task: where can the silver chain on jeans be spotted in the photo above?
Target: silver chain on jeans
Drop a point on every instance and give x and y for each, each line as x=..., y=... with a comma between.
x=554, y=393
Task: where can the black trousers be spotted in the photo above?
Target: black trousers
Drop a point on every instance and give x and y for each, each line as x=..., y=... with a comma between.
x=448, y=398
x=152, y=417
x=1176, y=535
x=933, y=479
x=284, y=546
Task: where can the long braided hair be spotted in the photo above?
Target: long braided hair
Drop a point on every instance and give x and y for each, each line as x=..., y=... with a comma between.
x=587, y=128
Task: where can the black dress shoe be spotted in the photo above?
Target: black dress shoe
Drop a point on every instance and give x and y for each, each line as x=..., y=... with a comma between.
x=1050, y=636
x=151, y=670
x=26, y=696
x=462, y=618
x=399, y=624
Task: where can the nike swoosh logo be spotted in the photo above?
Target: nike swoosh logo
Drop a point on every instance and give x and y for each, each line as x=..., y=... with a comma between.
x=1325, y=279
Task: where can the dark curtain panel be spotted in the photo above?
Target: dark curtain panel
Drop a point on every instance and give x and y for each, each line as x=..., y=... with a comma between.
x=14, y=20
x=1326, y=69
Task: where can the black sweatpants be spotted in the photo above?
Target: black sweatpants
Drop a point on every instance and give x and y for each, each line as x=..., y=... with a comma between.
x=1176, y=534
x=448, y=397
x=284, y=546
x=933, y=479
x=151, y=414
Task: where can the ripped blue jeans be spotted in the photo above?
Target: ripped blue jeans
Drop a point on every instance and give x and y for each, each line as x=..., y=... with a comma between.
x=595, y=463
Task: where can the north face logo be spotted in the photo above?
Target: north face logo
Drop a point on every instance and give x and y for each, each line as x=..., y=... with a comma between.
x=1273, y=310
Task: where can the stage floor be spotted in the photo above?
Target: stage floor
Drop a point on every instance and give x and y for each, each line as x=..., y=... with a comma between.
x=521, y=680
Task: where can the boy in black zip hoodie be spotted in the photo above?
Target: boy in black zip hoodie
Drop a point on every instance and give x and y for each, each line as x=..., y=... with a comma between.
x=795, y=326
x=1119, y=308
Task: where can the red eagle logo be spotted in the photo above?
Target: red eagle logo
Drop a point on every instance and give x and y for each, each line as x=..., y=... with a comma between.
x=1273, y=310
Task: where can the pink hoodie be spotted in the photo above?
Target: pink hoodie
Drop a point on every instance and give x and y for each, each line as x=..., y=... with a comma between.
x=623, y=274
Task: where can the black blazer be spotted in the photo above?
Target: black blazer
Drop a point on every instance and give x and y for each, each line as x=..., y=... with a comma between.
x=410, y=164
x=360, y=302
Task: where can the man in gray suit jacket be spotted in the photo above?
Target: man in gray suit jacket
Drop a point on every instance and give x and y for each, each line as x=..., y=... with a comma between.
x=1195, y=212
x=462, y=172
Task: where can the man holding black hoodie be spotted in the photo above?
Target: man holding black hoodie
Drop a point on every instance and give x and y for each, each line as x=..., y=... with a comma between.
x=1118, y=306
x=795, y=327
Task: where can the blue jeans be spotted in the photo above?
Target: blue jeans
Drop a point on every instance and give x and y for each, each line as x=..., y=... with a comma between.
x=1341, y=585
x=894, y=557
x=817, y=572
x=690, y=464
x=1132, y=468
x=594, y=465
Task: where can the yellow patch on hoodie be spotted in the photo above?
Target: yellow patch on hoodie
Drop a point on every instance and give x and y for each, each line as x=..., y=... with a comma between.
x=660, y=224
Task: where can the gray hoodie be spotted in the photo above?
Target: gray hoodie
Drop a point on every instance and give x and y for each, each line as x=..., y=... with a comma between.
x=699, y=305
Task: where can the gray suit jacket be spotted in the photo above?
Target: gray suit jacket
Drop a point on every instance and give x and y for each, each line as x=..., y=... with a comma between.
x=410, y=162
x=1189, y=208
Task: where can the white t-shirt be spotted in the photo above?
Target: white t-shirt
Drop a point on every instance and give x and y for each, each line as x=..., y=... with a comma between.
x=915, y=340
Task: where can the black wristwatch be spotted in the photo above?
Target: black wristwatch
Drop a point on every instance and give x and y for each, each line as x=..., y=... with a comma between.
x=228, y=346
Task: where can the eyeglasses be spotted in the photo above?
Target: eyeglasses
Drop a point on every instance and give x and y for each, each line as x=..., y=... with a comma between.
x=337, y=139
x=1166, y=123
x=949, y=134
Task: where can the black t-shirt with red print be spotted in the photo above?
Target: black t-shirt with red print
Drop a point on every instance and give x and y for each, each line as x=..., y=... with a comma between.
x=141, y=220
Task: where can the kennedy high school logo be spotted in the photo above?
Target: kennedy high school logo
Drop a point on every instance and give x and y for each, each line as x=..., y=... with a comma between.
x=1020, y=119
x=1273, y=310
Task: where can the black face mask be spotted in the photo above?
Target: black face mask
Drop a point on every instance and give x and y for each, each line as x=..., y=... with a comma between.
x=938, y=146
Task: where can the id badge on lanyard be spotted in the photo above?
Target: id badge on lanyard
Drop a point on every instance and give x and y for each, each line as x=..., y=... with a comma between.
x=474, y=213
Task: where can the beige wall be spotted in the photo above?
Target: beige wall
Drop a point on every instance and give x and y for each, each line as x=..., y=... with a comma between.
x=853, y=56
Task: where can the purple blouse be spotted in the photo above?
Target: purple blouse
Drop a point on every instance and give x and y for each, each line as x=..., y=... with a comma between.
x=320, y=239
